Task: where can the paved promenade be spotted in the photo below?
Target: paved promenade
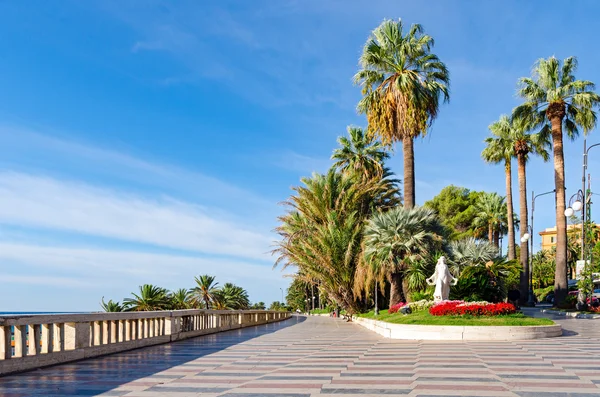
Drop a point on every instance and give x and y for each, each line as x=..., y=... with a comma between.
x=321, y=356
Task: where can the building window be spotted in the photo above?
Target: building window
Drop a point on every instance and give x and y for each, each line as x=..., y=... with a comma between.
x=552, y=240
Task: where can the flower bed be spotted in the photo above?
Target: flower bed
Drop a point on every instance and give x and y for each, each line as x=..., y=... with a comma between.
x=460, y=308
x=395, y=308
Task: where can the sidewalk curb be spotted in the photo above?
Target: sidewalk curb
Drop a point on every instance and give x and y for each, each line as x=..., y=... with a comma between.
x=572, y=314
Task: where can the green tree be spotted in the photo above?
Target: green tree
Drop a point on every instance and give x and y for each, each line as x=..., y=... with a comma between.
x=321, y=235
x=395, y=239
x=543, y=266
x=455, y=207
x=360, y=154
x=470, y=252
x=555, y=102
x=525, y=144
x=402, y=84
x=500, y=149
x=490, y=214
x=205, y=289
x=111, y=306
x=234, y=297
x=276, y=305
x=258, y=306
x=181, y=299
x=149, y=298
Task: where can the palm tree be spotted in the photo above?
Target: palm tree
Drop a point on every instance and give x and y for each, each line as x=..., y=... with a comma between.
x=491, y=213
x=402, y=84
x=396, y=238
x=556, y=101
x=205, y=289
x=470, y=252
x=111, y=306
x=321, y=234
x=360, y=154
x=181, y=299
x=500, y=149
x=524, y=145
x=150, y=298
x=234, y=297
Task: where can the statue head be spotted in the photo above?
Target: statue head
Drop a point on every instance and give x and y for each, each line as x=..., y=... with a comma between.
x=442, y=260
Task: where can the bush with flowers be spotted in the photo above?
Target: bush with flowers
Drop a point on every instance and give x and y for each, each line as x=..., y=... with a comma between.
x=395, y=308
x=461, y=308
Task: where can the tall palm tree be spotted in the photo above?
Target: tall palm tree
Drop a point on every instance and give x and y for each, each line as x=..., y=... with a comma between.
x=181, y=299
x=205, y=289
x=361, y=154
x=556, y=101
x=396, y=238
x=490, y=211
x=500, y=149
x=150, y=298
x=402, y=85
x=525, y=144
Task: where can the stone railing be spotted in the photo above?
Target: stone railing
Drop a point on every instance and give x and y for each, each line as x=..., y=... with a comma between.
x=34, y=341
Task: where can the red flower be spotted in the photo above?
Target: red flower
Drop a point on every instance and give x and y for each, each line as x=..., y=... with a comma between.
x=460, y=309
x=396, y=307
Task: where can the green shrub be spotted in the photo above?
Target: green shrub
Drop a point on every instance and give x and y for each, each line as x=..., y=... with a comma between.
x=542, y=293
x=422, y=295
x=569, y=302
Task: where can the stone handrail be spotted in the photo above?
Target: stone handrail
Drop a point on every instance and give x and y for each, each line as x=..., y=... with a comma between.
x=34, y=341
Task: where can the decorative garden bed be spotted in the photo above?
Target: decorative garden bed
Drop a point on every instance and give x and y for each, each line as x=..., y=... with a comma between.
x=454, y=320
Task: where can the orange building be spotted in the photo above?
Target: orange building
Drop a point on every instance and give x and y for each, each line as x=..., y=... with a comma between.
x=549, y=235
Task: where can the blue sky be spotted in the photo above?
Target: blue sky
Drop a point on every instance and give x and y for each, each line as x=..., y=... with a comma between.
x=148, y=142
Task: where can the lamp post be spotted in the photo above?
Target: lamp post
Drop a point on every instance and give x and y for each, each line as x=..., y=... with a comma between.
x=281, y=295
x=529, y=237
x=376, y=305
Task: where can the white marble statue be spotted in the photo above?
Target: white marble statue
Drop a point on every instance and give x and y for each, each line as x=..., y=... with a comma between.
x=442, y=280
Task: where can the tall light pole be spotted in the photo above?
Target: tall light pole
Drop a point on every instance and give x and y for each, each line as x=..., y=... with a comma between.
x=582, y=198
x=281, y=295
x=529, y=236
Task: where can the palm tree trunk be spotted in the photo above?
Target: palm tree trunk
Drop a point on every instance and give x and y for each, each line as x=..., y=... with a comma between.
x=512, y=251
x=524, y=251
x=409, y=171
x=560, y=276
x=396, y=293
x=491, y=233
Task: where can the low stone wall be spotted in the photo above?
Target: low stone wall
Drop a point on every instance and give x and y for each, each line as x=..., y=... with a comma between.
x=453, y=332
x=34, y=341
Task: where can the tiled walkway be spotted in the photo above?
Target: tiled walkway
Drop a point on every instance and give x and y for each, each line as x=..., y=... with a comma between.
x=320, y=356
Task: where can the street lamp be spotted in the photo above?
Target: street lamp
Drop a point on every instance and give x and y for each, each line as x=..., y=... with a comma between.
x=376, y=305
x=281, y=295
x=580, y=202
x=528, y=236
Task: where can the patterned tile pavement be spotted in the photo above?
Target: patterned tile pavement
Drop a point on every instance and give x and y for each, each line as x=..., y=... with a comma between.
x=322, y=356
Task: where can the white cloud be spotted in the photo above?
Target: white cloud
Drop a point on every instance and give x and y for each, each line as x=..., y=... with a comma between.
x=48, y=203
x=60, y=272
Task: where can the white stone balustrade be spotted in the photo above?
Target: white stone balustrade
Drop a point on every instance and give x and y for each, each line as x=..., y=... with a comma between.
x=34, y=341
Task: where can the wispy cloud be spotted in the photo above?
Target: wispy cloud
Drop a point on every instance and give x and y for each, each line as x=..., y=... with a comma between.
x=305, y=164
x=41, y=202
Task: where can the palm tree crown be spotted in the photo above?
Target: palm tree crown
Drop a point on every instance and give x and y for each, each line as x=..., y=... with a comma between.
x=149, y=298
x=402, y=81
x=359, y=154
x=394, y=239
x=205, y=289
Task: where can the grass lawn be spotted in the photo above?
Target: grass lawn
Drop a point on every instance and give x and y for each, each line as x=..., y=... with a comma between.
x=424, y=318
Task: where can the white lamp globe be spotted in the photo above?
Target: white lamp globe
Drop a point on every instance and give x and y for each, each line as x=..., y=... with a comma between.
x=569, y=212
x=526, y=236
x=523, y=240
x=577, y=205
